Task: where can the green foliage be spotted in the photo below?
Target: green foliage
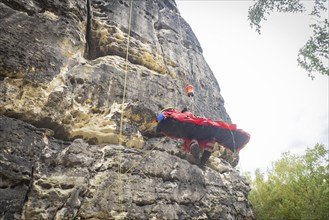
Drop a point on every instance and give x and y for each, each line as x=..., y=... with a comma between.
x=315, y=52
x=261, y=8
x=297, y=187
x=314, y=55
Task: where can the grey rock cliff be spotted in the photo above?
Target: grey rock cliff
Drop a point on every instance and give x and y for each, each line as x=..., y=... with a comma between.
x=62, y=71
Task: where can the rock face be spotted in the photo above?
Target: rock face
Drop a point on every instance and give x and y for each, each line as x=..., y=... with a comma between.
x=63, y=67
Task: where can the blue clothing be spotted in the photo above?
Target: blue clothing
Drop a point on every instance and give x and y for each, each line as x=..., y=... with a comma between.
x=160, y=117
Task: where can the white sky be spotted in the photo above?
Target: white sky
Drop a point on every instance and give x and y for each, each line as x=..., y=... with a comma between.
x=266, y=93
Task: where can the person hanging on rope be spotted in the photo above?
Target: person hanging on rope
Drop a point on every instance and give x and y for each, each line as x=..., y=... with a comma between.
x=200, y=134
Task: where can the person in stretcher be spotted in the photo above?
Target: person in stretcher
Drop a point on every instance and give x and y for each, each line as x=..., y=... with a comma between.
x=200, y=134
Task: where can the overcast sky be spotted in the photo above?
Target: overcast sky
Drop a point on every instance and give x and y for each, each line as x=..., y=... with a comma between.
x=266, y=93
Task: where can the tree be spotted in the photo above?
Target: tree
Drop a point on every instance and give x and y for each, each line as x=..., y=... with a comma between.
x=297, y=187
x=314, y=55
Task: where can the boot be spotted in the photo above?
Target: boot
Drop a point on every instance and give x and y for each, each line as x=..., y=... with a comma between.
x=205, y=157
x=195, y=149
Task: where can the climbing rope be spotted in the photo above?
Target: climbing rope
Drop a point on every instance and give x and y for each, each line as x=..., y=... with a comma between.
x=181, y=39
x=191, y=98
x=234, y=146
x=120, y=190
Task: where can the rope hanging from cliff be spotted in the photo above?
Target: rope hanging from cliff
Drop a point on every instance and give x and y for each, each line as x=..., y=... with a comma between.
x=185, y=80
x=120, y=191
x=233, y=141
x=181, y=39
